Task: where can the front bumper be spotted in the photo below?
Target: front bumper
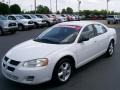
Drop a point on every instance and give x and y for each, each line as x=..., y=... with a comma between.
x=28, y=76
x=9, y=29
x=28, y=26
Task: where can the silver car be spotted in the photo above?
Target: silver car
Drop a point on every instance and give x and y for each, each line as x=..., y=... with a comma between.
x=37, y=21
x=114, y=19
x=23, y=23
x=7, y=25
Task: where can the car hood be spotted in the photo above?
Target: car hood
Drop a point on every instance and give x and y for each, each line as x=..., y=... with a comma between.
x=30, y=50
x=8, y=21
x=24, y=20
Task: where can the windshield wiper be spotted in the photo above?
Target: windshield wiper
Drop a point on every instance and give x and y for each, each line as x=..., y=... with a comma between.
x=46, y=40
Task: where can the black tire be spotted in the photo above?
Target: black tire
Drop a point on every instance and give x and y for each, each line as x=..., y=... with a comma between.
x=21, y=27
x=110, y=50
x=47, y=24
x=1, y=32
x=108, y=22
x=56, y=78
x=13, y=32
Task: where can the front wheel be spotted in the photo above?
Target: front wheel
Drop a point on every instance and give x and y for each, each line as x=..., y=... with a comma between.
x=63, y=71
x=110, y=50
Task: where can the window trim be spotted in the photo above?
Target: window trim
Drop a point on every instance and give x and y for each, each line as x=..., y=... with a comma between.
x=84, y=28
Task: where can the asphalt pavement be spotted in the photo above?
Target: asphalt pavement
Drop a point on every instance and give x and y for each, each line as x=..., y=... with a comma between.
x=100, y=74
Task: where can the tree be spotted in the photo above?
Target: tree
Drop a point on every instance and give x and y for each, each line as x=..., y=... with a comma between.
x=46, y=10
x=4, y=8
x=58, y=12
x=69, y=10
x=15, y=9
x=63, y=11
x=43, y=9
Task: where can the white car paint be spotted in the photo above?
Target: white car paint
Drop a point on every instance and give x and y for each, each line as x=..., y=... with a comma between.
x=81, y=52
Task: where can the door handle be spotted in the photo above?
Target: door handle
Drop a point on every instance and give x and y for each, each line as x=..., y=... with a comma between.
x=95, y=41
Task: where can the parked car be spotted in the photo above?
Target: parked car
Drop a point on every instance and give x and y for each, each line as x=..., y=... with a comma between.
x=113, y=19
x=52, y=19
x=48, y=21
x=37, y=21
x=7, y=25
x=23, y=23
x=55, y=53
x=60, y=18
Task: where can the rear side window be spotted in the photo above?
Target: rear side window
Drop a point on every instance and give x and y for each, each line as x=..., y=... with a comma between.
x=100, y=29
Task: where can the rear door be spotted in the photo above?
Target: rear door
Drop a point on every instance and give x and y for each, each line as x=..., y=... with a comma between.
x=102, y=38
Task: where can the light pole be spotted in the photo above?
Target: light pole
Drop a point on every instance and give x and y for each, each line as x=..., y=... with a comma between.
x=35, y=5
x=56, y=6
x=107, y=7
x=50, y=5
x=9, y=3
x=79, y=3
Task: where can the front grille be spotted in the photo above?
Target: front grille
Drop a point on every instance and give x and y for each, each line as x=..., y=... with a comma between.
x=30, y=22
x=43, y=21
x=11, y=68
x=12, y=24
x=6, y=59
x=10, y=64
x=13, y=62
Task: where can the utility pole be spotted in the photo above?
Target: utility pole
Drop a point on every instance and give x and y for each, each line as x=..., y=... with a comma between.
x=50, y=6
x=108, y=7
x=9, y=3
x=56, y=6
x=79, y=3
x=35, y=5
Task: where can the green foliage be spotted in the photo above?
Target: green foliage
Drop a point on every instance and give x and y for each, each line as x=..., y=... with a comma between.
x=15, y=9
x=58, y=12
x=43, y=9
x=64, y=11
x=69, y=10
x=4, y=8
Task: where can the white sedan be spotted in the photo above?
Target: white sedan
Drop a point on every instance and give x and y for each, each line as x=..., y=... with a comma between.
x=57, y=52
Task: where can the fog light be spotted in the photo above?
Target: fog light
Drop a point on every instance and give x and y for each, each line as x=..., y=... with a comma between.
x=29, y=78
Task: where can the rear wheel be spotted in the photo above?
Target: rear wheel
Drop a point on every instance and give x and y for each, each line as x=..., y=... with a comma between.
x=1, y=31
x=63, y=71
x=108, y=22
x=13, y=32
x=20, y=27
x=110, y=50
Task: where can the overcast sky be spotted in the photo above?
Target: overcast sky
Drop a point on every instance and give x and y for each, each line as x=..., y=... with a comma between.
x=86, y=4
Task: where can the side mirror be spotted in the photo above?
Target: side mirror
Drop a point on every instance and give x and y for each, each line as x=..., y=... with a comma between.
x=83, y=38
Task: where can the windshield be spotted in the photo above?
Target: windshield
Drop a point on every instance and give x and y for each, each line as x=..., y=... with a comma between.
x=59, y=35
x=20, y=17
x=2, y=17
x=110, y=16
x=33, y=16
x=27, y=17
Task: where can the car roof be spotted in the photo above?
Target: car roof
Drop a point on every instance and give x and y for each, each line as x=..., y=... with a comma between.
x=79, y=23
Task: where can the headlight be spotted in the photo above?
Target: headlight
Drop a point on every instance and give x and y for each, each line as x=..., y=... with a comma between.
x=25, y=22
x=36, y=63
x=5, y=24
